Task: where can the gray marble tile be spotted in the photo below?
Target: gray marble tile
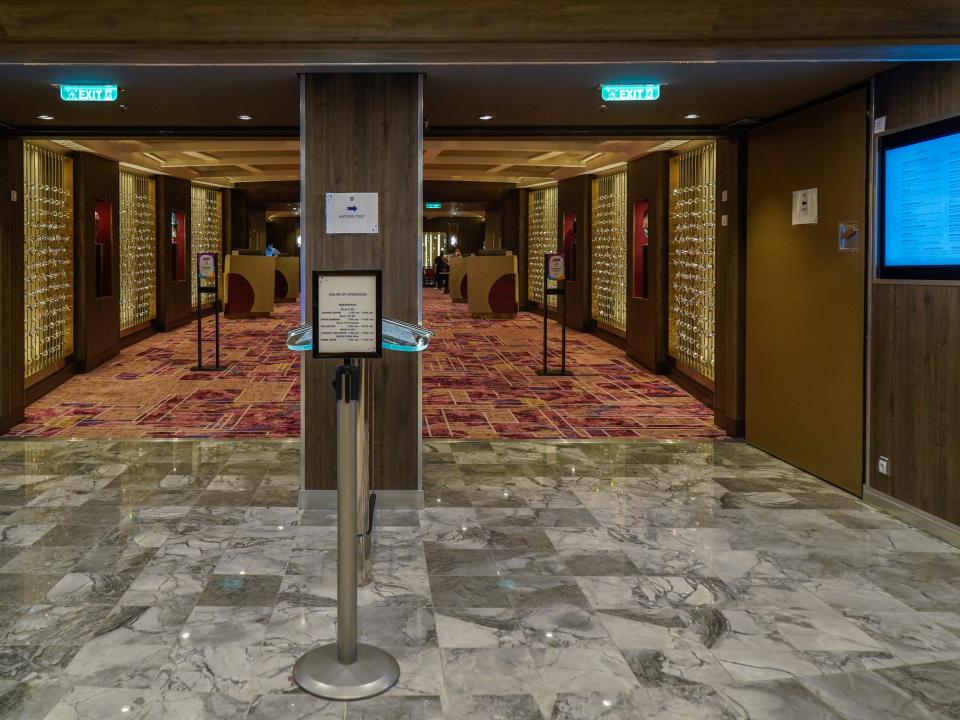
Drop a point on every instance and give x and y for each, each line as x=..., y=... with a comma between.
x=101, y=703
x=492, y=707
x=223, y=626
x=115, y=559
x=147, y=590
x=237, y=590
x=468, y=591
x=563, y=625
x=597, y=562
x=444, y=560
x=478, y=628
x=24, y=588
x=141, y=625
x=488, y=671
x=44, y=560
x=532, y=591
x=226, y=670
x=653, y=591
x=781, y=699
x=123, y=666
x=524, y=561
x=296, y=627
x=35, y=663
x=20, y=701
x=866, y=696
x=179, y=705
x=54, y=624
x=397, y=626
x=932, y=684
x=75, y=588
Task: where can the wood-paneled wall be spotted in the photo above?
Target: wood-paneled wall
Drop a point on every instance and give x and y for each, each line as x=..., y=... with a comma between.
x=574, y=195
x=173, y=296
x=915, y=337
x=387, y=31
x=364, y=133
x=96, y=319
x=648, y=178
x=805, y=299
x=11, y=283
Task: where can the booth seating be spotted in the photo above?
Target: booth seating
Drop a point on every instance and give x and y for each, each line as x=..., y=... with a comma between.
x=494, y=291
x=249, y=286
x=458, y=278
x=287, y=279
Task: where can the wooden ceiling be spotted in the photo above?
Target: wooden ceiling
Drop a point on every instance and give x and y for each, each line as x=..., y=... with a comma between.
x=523, y=163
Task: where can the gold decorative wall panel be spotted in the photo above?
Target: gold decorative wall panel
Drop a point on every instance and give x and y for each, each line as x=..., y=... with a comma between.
x=541, y=239
x=138, y=250
x=433, y=243
x=608, y=263
x=47, y=259
x=206, y=229
x=692, y=255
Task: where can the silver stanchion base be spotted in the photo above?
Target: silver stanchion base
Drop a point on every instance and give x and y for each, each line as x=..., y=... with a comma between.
x=320, y=673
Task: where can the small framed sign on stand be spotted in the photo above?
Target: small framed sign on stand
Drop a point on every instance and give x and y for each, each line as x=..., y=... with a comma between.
x=208, y=272
x=555, y=283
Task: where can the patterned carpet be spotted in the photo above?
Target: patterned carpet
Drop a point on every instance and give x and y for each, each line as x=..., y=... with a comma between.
x=479, y=380
x=149, y=390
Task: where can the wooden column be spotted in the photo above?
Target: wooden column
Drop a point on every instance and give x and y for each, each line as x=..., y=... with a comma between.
x=173, y=294
x=364, y=133
x=731, y=290
x=574, y=195
x=648, y=179
x=96, y=183
x=11, y=283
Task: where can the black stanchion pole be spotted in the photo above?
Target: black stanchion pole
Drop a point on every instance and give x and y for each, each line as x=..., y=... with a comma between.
x=199, y=315
x=216, y=312
x=545, y=309
x=563, y=332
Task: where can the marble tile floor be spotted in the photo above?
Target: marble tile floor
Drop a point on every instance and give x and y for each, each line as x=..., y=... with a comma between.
x=178, y=581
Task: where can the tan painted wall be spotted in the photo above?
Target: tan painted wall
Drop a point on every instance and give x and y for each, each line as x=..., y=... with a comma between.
x=805, y=300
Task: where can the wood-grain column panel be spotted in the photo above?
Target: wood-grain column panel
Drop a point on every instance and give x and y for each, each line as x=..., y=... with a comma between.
x=173, y=290
x=648, y=181
x=574, y=196
x=364, y=133
x=731, y=274
x=11, y=283
x=96, y=205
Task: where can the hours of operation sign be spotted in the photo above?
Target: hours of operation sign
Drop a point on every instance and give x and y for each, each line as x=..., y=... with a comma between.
x=347, y=314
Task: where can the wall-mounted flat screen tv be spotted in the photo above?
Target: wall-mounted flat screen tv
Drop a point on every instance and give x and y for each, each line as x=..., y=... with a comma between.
x=919, y=213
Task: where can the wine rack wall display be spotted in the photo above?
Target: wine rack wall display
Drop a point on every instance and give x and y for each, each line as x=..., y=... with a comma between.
x=608, y=262
x=206, y=229
x=541, y=239
x=433, y=243
x=691, y=258
x=138, y=250
x=48, y=259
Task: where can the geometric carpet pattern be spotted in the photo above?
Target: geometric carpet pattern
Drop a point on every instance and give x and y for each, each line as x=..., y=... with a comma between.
x=149, y=389
x=480, y=382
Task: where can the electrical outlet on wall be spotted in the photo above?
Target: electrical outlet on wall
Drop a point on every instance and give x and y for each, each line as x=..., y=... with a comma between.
x=883, y=466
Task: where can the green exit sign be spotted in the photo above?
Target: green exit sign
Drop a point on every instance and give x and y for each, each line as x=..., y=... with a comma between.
x=88, y=93
x=433, y=205
x=630, y=93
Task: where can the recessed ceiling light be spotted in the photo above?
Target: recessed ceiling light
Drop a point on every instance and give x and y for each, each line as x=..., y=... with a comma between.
x=44, y=117
x=485, y=117
x=244, y=116
x=691, y=116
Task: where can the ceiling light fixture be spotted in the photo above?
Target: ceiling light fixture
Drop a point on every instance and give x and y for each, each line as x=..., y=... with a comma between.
x=244, y=116
x=44, y=117
x=485, y=117
x=691, y=116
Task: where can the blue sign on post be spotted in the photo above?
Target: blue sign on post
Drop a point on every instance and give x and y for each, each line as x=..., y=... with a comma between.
x=88, y=93
x=630, y=93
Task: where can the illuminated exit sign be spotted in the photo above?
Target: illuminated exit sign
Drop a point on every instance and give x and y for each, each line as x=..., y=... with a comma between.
x=88, y=93
x=630, y=93
x=433, y=205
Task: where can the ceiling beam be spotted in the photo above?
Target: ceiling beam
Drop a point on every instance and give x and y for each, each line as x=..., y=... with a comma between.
x=251, y=158
x=493, y=159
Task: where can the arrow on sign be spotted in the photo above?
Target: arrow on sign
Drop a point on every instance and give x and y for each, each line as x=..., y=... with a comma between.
x=352, y=208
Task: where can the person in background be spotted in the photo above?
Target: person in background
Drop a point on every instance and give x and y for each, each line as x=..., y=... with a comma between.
x=442, y=270
x=272, y=251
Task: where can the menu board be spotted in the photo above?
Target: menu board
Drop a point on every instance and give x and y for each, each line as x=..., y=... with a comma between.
x=347, y=314
x=921, y=204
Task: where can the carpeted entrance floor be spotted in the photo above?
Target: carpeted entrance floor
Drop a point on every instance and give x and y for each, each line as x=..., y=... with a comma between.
x=479, y=381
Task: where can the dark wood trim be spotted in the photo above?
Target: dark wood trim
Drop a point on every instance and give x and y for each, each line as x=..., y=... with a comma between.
x=173, y=296
x=96, y=318
x=648, y=178
x=575, y=195
x=138, y=333
x=608, y=337
x=51, y=382
x=11, y=283
x=692, y=385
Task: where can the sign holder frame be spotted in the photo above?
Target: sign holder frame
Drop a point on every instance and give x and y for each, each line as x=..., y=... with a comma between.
x=317, y=274
x=561, y=291
x=201, y=291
